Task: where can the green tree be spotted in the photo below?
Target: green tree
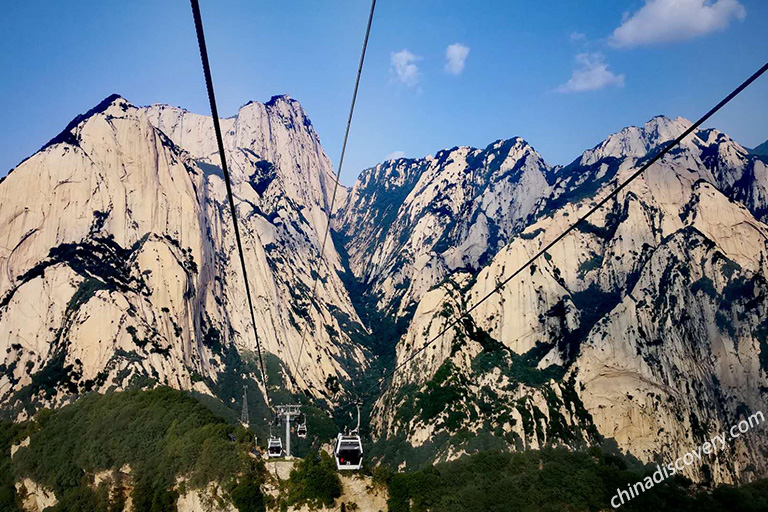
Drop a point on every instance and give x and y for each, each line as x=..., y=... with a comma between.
x=314, y=481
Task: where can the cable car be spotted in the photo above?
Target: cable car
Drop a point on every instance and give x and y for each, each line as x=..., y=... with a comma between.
x=274, y=447
x=349, y=449
x=274, y=443
x=301, y=430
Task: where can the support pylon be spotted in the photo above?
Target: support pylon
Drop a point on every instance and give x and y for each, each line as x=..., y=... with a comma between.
x=244, y=417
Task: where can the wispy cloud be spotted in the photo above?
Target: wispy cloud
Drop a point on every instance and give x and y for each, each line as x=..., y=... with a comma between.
x=404, y=69
x=577, y=37
x=662, y=21
x=395, y=155
x=590, y=74
x=455, y=58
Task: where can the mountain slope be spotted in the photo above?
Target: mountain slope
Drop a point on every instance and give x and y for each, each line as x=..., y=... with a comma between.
x=762, y=149
x=408, y=223
x=117, y=252
x=645, y=325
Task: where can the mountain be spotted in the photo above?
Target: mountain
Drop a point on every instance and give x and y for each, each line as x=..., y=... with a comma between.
x=646, y=325
x=762, y=149
x=643, y=330
x=410, y=222
x=117, y=257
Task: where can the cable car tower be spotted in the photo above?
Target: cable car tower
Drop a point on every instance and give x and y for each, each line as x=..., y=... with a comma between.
x=288, y=412
x=244, y=417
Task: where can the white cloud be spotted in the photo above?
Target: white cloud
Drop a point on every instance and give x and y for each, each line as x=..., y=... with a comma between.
x=577, y=37
x=661, y=21
x=591, y=73
x=455, y=58
x=404, y=69
x=395, y=155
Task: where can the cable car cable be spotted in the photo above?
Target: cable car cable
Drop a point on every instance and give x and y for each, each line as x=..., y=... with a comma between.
x=227, y=179
x=338, y=173
x=573, y=226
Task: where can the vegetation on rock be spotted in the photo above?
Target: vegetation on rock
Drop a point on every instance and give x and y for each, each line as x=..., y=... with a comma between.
x=162, y=435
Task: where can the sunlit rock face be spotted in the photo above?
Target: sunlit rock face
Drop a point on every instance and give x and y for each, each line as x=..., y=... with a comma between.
x=645, y=325
x=410, y=222
x=118, y=258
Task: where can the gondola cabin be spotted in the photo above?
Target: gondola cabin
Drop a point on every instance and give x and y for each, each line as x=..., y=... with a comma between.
x=349, y=452
x=274, y=447
x=301, y=431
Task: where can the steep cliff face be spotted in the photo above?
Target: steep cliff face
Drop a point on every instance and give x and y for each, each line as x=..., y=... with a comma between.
x=117, y=258
x=645, y=325
x=408, y=223
x=284, y=182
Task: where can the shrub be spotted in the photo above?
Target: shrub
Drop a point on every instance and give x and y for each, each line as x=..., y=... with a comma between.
x=314, y=481
x=247, y=495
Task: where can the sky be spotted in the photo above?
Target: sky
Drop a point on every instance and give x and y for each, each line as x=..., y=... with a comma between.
x=438, y=74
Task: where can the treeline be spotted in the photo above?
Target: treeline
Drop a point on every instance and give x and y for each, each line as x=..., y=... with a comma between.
x=157, y=438
x=166, y=437
x=554, y=480
x=159, y=434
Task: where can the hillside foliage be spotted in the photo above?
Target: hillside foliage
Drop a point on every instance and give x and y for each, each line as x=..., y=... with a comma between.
x=554, y=480
x=161, y=435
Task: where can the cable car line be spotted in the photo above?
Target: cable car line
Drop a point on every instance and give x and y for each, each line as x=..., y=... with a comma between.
x=227, y=179
x=338, y=174
x=351, y=444
x=573, y=226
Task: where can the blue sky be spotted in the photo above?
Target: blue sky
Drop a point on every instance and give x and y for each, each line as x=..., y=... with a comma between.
x=562, y=77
